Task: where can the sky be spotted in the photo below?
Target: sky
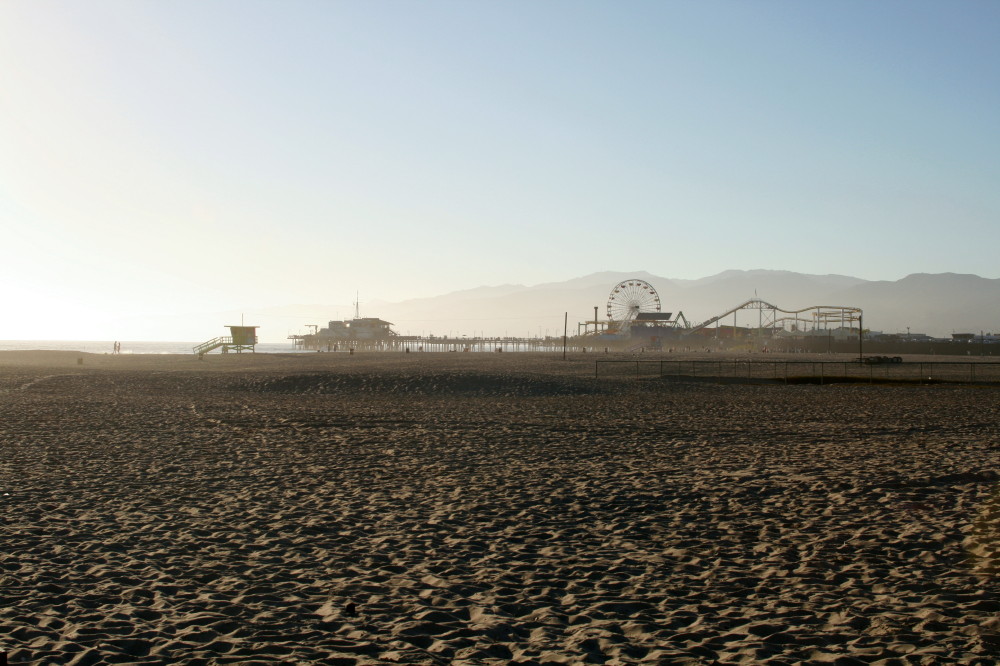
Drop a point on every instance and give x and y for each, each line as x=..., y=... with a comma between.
x=170, y=157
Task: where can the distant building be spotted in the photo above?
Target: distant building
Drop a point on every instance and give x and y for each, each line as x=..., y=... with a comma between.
x=369, y=333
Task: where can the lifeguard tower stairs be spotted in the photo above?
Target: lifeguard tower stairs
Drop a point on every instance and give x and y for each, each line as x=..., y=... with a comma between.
x=240, y=339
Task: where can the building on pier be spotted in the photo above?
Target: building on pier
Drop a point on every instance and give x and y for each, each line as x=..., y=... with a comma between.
x=362, y=333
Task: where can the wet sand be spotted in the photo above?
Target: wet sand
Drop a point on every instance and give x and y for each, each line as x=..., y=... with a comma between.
x=487, y=509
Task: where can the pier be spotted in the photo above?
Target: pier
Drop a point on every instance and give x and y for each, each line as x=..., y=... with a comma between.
x=432, y=343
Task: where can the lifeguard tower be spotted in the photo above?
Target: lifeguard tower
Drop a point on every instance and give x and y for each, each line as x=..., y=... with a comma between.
x=240, y=339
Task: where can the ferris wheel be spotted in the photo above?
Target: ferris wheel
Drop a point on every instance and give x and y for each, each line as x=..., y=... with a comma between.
x=631, y=297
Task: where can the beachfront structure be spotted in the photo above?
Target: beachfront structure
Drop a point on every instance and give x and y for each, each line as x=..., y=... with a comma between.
x=240, y=339
x=363, y=333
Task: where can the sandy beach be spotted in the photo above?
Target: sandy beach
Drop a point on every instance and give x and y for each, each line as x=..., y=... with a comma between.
x=487, y=509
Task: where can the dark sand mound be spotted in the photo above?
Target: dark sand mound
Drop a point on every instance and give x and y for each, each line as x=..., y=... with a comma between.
x=439, y=383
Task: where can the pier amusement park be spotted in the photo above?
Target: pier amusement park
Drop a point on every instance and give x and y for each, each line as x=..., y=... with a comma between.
x=633, y=320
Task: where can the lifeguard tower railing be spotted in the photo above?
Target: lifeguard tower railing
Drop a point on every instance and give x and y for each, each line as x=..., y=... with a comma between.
x=243, y=338
x=213, y=344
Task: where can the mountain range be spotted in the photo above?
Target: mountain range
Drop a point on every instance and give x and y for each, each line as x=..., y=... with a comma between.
x=935, y=304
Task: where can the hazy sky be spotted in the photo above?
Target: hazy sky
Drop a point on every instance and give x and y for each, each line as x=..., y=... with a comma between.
x=182, y=156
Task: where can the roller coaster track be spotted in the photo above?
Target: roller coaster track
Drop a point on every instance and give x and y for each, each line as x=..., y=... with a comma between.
x=819, y=314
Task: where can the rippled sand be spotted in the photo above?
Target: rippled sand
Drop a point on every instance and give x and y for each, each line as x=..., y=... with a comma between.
x=477, y=509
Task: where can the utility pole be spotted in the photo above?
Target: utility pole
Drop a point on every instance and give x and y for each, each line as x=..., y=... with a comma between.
x=861, y=335
x=565, y=332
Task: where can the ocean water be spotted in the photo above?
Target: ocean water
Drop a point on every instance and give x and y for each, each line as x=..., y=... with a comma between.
x=128, y=347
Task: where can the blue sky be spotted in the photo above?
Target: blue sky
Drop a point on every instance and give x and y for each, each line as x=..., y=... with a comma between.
x=180, y=156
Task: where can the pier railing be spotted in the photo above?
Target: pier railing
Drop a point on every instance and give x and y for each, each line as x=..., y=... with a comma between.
x=802, y=372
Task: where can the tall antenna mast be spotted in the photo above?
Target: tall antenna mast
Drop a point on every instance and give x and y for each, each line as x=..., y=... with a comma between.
x=357, y=309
